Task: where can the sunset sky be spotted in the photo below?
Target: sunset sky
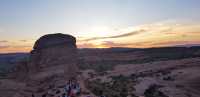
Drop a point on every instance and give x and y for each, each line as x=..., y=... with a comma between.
x=100, y=23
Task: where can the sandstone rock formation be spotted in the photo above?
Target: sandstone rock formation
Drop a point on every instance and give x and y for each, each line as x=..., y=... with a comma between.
x=53, y=51
x=52, y=63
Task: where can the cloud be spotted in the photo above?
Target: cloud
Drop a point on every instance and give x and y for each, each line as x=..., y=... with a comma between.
x=18, y=46
x=175, y=43
x=131, y=31
x=107, y=44
x=23, y=40
x=86, y=45
x=103, y=44
x=181, y=32
x=114, y=44
x=117, y=36
x=149, y=35
x=143, y=44
x=4, y=46
x=3, y=41
x=22, y=46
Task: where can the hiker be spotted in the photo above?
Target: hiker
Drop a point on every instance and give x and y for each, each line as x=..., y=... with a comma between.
x=78, y=88
x=44, y=95
x=64, y=95
x=69, y=92
x=66, y=88
x=32, y=95
x=72, y=88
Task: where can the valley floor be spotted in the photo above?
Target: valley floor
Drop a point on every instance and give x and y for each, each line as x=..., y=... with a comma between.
x=176, y=78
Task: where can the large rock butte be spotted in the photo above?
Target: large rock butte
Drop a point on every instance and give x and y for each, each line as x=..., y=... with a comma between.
x=54, y=53
x=54, y=50
x=52, y=63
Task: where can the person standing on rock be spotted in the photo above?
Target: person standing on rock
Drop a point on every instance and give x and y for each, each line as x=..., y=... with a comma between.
x=32, y=95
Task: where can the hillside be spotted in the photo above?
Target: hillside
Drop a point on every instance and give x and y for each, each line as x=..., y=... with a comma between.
x=107, y=58
x=92, y=58
x=7, y=61
x=121, y=72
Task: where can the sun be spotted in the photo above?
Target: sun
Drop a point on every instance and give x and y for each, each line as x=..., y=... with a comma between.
x=96, y=31
x=101, y=31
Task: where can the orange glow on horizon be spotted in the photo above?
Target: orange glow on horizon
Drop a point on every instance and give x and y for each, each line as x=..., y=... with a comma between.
x=144, y=36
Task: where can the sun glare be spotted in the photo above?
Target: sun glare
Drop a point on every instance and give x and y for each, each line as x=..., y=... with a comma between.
x=101, y=31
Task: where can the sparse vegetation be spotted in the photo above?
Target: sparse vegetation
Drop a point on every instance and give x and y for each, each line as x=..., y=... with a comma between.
x=153, y=91
x=120, y=86
x=8, y=61
x=151, y=55
x=168, y=78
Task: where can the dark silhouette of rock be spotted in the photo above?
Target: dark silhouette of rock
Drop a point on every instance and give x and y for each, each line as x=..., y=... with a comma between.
x=52, y=62
x=54, y=50
x=52, y=40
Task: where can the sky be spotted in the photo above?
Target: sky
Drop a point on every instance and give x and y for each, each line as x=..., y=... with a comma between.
x=100, y=23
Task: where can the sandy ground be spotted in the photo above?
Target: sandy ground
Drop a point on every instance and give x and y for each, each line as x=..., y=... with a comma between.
x=185, y=74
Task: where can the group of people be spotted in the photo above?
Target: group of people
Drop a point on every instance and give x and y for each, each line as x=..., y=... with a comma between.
x=98, y=96
x=71, y=89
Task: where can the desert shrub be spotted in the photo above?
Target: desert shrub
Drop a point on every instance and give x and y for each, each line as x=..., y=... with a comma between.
x=151, y=55
x=153, y=91
x=168, y=78
x=120, y=86
x=179, y=86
